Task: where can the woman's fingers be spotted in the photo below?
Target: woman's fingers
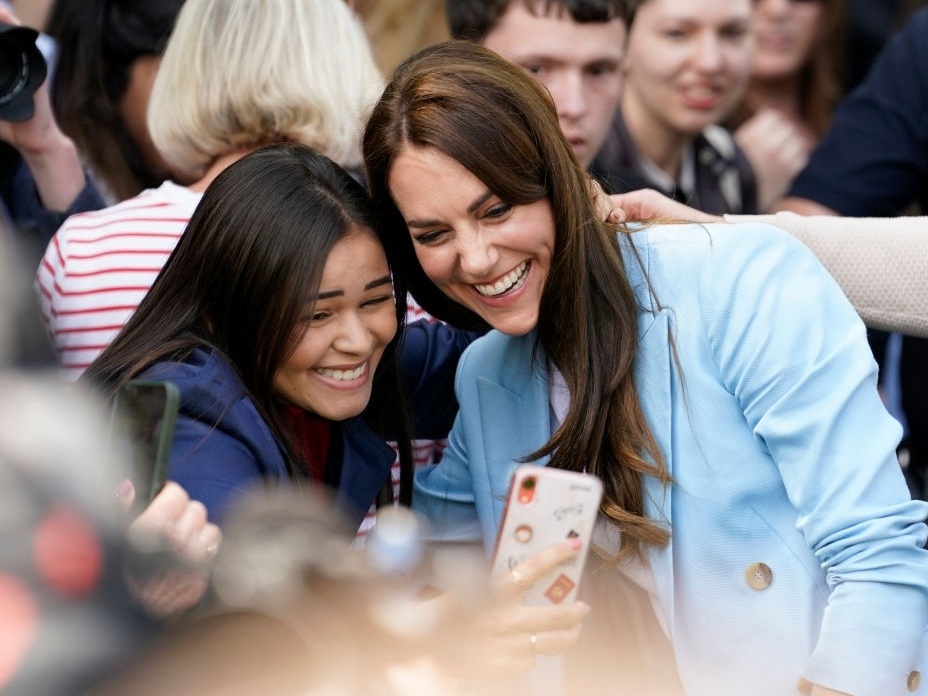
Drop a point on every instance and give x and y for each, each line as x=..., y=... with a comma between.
x=173, y=520
x=524, y=574
x=604, y=208
x=648, y=204
x=173, y=517
x=125, y=492
x=192, y=536
x=554, y=642
x=165, y=508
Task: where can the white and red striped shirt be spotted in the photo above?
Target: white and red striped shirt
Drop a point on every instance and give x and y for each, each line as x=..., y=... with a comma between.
x=100, y=264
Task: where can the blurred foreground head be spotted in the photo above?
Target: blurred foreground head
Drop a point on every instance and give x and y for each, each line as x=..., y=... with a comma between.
x=300, y=609
x=66, y=618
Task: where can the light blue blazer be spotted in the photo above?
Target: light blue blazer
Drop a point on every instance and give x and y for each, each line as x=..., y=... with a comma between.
x=796, y=551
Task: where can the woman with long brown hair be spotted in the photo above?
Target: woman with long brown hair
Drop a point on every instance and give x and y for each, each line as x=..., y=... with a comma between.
x=714, y=376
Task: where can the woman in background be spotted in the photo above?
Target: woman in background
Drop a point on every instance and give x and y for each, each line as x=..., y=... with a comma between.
x=794, y=87
x=236, y=75
x=108, y=56
x=685, y=69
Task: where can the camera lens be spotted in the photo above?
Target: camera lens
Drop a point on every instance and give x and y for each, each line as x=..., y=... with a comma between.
x=14, y=70
x=22, y=71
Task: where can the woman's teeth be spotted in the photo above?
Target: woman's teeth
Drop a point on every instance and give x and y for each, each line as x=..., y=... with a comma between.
x=504, y=284
x=344, y=375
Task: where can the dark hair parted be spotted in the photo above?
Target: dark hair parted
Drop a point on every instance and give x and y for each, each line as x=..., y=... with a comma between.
x=501, y=125
x=474, y=19
x=242, y=276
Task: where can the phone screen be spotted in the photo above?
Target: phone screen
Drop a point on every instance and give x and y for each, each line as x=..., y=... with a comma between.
x=145, y=412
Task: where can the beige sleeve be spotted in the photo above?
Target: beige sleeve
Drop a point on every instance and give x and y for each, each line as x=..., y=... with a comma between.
x=880, y=263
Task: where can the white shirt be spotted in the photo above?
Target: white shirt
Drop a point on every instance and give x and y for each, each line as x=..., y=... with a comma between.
x=99, y=266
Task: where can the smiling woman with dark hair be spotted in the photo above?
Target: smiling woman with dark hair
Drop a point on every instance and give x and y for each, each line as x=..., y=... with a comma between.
x=277, y=317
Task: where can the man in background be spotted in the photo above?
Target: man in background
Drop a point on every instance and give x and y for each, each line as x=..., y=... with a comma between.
x=573, y=47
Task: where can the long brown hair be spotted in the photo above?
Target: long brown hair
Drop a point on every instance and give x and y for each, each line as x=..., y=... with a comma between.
x=501, y=125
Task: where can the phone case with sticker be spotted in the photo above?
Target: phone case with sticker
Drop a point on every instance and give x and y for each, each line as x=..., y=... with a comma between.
x=544, y=507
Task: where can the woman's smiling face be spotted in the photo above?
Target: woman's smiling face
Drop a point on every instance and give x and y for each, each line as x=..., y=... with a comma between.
x=484, y=253
x=786, y=34
x=688, y=62
x=344, y=334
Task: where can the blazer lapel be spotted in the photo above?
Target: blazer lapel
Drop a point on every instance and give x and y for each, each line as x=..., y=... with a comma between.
x=514, y=417
x=654, y=371
x=654, y=378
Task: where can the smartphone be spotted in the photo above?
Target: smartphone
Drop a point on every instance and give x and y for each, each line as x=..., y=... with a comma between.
x=544, y=507
x=144, y=413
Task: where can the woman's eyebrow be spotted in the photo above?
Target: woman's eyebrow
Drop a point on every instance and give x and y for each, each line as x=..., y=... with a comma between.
x=328, y=294
x=479, y=201
x=386, y=280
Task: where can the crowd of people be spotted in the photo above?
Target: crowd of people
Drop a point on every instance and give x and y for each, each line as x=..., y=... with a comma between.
x=653, y=241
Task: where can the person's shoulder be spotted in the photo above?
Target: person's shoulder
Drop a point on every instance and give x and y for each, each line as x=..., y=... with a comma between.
x=494, y=356
x=910, y=43
x=206, y=379
x=687, y=242
x=917, y=24
x=684, y=254
x=167, y=202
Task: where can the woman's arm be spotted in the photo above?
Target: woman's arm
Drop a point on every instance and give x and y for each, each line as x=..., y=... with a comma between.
x=790, y=349
x=878, y=262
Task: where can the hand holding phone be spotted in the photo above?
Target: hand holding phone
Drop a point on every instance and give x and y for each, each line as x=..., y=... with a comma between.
x=546, y=506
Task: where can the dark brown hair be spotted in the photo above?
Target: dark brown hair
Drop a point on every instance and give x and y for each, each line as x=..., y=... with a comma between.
x=242, y=276
x=98, y=41
x=474, y=19
x=494, y=119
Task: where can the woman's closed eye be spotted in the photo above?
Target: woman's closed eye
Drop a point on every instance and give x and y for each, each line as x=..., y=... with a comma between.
x=498, y=211
x=379, y=300
x=430, y=237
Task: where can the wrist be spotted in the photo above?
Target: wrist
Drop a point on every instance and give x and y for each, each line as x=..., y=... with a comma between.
x=53, y=147
x=57, y=171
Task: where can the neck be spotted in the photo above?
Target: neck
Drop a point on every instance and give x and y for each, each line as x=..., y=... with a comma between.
x=216, y=166
x=781, y=94
x=654, y=137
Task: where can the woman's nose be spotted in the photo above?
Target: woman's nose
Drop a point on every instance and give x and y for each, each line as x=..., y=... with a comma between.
x=476, y=256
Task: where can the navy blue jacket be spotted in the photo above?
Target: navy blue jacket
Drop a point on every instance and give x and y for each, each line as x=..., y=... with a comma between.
x=224, y=448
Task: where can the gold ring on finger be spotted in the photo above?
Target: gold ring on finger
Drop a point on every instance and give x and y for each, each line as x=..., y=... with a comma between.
x=518, y=578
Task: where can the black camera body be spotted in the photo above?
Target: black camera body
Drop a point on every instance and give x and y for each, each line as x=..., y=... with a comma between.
x=22, y=71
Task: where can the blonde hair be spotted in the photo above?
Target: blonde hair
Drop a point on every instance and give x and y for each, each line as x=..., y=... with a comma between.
x=238, y=74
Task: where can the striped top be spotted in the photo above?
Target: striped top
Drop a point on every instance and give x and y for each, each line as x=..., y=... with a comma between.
x=100, y=264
